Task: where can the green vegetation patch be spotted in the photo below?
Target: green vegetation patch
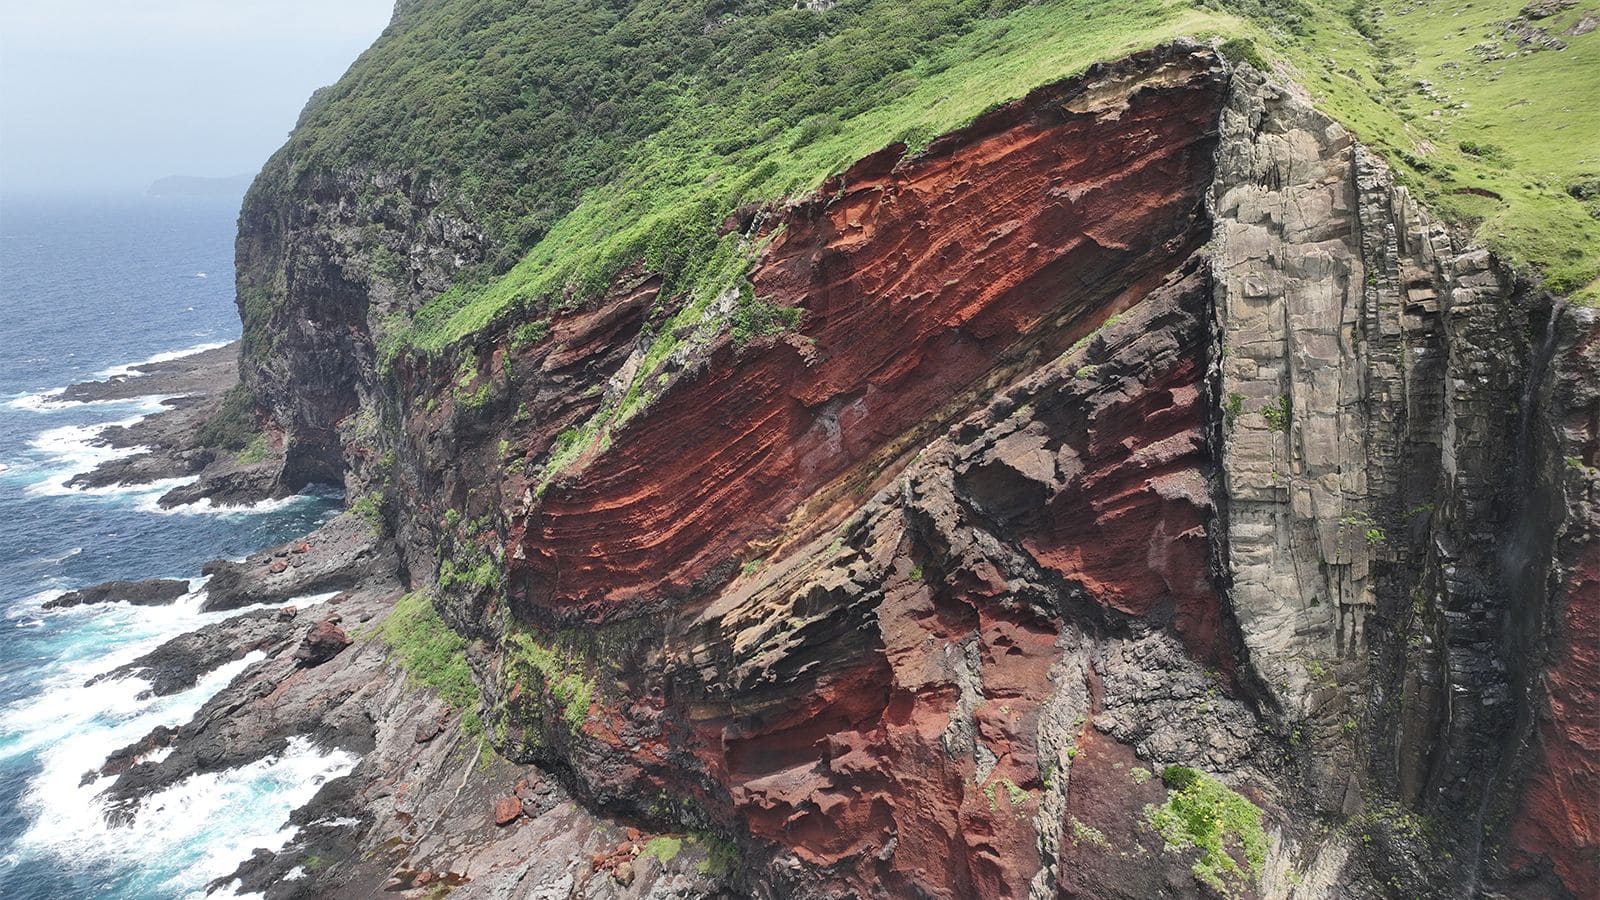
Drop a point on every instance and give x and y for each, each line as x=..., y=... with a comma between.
x=433, y=655
x=563, y=673
x=233, y=426
x=1491, y=133
x=475, y=570
x=722, y=856
x=1088, y=834
x=369, y=506
x=1277, y=414
x=664, y=118
x=664, y=848
x=588, y=137
x=1205, y=814
x=1506, y=128
x=254, y=451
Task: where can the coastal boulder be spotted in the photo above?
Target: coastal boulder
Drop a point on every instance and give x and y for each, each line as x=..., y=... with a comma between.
x=323, y=642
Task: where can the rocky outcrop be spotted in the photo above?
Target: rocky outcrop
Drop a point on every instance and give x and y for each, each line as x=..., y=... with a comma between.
x=323, y=642
x=1393, y=473
x=341, y=555
x=323, y=260
x=174, y=443
x=179, y=664
x=922, y=281
x=414, y=815
x=153, y=592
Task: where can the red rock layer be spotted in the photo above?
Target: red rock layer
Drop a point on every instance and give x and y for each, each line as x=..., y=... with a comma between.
x=917, y=279
x=1560, y=816
x=1564, y=798
x=1128, y=504
x=855, y=766
x=1133, y=532
x=856, y=774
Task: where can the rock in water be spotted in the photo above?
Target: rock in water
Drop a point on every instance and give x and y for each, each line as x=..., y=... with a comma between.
x=154, y=592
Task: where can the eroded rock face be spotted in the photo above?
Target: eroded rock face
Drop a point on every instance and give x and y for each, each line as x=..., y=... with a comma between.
x=1144, y=423
x=319, y=270
x=939, y=754
x=1555, y=836
x=918, y=281
x=1397, y=410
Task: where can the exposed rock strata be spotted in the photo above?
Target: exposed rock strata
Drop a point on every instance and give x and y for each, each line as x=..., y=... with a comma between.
x=920, y=599
x=319, y=269
x=1398, y=415
x=918, y=280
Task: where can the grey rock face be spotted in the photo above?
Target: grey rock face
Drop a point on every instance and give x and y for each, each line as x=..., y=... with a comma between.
x=1390, y=463
x=322, y=268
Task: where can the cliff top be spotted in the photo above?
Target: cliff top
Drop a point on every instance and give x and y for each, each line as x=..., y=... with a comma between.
x=586, y=136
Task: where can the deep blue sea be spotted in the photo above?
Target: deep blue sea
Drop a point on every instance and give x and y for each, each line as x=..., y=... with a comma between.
x=87, y=285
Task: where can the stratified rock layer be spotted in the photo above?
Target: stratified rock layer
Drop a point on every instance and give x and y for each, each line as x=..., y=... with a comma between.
x=917, y=278
x=1144, y=423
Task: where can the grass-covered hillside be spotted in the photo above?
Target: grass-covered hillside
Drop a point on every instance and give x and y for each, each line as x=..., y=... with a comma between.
x=589, y=134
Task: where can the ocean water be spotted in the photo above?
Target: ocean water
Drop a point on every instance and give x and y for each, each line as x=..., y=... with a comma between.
x=88, y=286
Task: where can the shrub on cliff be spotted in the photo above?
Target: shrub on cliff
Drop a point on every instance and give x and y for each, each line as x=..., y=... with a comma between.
x=433, y=655
x=1204, y=814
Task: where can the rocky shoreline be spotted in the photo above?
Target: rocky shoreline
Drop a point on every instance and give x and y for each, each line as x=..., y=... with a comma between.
x=171, y=443
x=428, y=805
x=977, y=611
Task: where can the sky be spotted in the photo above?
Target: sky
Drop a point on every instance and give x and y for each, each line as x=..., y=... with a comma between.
x=113, y=94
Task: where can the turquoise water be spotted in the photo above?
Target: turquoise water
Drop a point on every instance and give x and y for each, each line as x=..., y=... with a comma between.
x=88, y=285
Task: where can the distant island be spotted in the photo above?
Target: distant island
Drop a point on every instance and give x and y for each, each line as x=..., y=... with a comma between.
x=198, y=186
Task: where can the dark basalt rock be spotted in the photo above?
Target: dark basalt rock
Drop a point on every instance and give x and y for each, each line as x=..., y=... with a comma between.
x=342, y=554
x=154, y=592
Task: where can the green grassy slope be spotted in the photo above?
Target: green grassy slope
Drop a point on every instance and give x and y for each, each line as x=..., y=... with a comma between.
x=590, y=134
x=776, y=133
x=1509, y=146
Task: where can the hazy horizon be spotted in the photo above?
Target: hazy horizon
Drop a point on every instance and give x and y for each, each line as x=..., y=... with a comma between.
x=96, y=96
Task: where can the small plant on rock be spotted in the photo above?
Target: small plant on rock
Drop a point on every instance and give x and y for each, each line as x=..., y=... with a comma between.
x=1207, y=815
x=1277, y=414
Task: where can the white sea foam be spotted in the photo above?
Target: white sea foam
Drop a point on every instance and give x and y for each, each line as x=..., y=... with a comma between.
x=39, y=402
x=49, y=400
x=127, y=369
x=71, y=450
x=206, y=506
x=65, y=556
x=195, y=831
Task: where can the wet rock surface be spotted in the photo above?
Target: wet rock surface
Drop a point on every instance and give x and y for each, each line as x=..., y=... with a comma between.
x=344, y=554
x=152, y=592
x=192, y=389
x=198, y=374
